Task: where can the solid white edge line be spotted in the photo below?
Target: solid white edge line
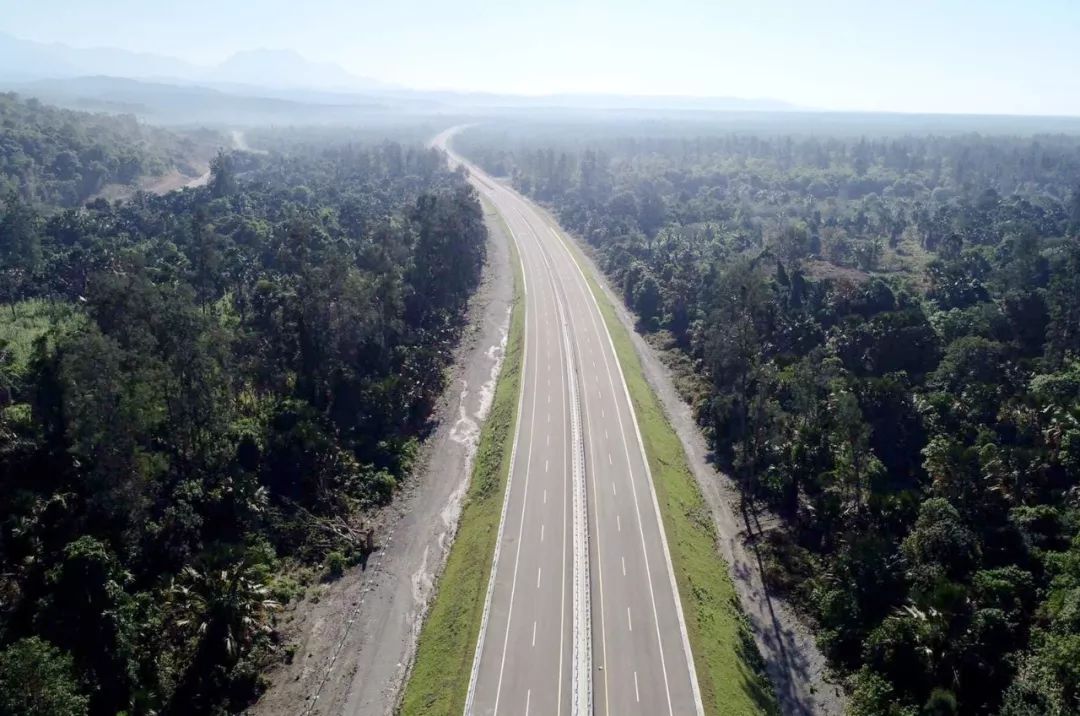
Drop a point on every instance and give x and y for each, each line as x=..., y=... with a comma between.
x=517, y=552
x=562, y=584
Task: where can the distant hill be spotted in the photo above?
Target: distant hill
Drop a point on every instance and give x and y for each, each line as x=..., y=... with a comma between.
x=288, y=69
x=188, y=104
x=24, y=60
x=27, y=60
x=279, y=86
x=277, y=74
x=668, y=102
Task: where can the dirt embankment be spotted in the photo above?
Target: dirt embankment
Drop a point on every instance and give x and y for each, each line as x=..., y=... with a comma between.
x=175, y=179
x=356, y=637
x=161, y=184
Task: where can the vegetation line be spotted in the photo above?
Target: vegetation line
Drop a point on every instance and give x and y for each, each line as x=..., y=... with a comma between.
x=726, y=661
x=438, y=683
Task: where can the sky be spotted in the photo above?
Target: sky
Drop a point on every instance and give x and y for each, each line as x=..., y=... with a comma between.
x=967, y=56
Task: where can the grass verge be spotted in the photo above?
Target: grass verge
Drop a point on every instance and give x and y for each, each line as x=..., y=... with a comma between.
x=439, y=679
x=729, y=668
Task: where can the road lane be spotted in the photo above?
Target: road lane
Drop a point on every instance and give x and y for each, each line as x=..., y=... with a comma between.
x=639, y=653
x=520, y=666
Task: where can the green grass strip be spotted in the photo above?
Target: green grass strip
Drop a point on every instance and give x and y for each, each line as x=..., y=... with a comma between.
x=729, y=668
x=439, y=679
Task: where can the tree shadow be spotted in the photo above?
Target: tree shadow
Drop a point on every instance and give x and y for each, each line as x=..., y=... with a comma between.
x=790, y=665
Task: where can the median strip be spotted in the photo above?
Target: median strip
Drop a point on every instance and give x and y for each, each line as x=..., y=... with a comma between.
x=581, y=671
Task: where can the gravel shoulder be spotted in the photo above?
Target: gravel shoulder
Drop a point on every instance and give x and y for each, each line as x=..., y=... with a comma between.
x=356, y=637
x=793, y=662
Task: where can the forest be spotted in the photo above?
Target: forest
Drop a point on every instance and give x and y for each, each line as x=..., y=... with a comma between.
x=62, y=158
x=202, y=396
x=880, y=336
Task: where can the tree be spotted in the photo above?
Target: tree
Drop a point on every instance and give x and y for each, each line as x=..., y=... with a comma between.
x=84, y=615
x=1063, y=301
x=37, y=679
x=855, y=467
x=222, y=174
x=226, y=607
x=20, y=248
x=939, y=550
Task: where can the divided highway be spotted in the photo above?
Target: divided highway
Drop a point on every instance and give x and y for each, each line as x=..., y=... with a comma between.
x=583, y=613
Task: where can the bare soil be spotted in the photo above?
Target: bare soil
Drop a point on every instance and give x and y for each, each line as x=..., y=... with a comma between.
x=162, y=184
x=175, y=179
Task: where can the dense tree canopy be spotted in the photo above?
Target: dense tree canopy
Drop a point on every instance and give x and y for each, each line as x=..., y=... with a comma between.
x=201, y=394
x=885, y=342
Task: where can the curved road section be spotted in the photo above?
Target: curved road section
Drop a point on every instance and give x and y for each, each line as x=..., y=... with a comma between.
x=583, y=614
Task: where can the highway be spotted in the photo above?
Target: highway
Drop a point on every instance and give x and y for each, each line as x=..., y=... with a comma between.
x=583, y=614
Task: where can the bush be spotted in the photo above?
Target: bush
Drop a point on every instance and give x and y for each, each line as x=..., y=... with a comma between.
x=336, y=563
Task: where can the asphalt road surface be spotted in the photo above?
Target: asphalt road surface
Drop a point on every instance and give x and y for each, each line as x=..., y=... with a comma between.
x=583, y=612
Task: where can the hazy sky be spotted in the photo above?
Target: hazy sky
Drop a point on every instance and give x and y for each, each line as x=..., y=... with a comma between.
x=905, y=55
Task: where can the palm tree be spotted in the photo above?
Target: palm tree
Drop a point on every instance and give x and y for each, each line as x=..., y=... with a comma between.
x=227, y=606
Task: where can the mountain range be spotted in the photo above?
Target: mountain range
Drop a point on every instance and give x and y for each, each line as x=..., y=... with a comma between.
x=26, y=60
x=278, y=86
